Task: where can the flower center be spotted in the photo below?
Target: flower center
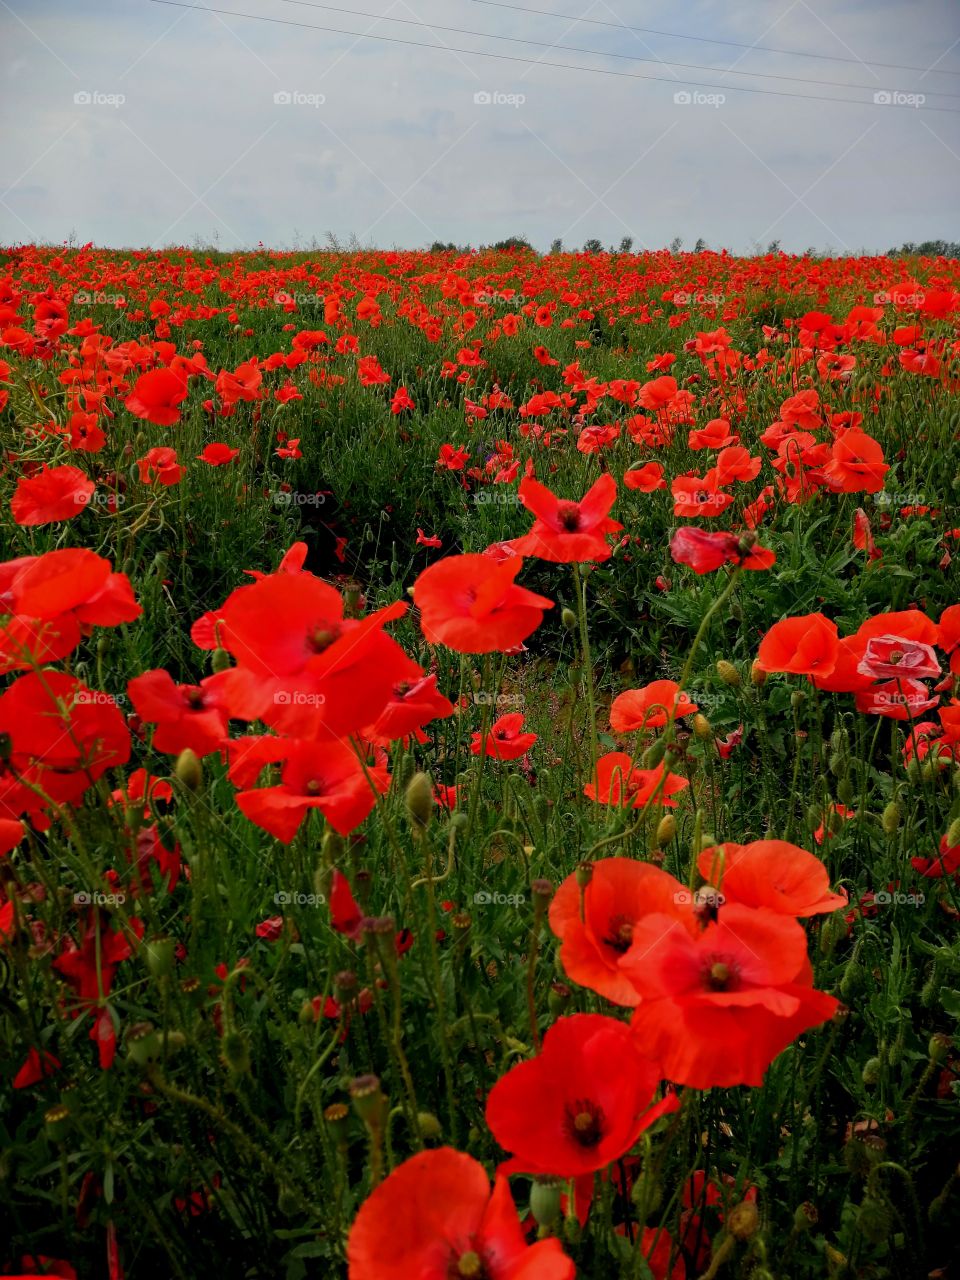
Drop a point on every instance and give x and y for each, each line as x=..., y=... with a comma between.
x=620, y=934
x=313, y=787
x=718, y=975
x=470, y=1265
x=322, y=636
x=568, y=516
x=194, y=699
x=584, y=1122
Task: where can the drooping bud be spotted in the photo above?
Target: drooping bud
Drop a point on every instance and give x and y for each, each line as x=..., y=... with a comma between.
x=235, y=1052
x=158, y=955
x=666, y=830
x=702, y=727
x=220, y=661
x=654, y=753
x=890, y=821
x=569, y=619
x=743, y=1220
x=758, y=677
x=430, y=1126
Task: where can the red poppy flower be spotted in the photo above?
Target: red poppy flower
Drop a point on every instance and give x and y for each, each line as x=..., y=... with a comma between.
x=771, y=873
x=156, y=396
x=316, y=775
x=186, y=715
x=218, y=455
x=582, y=1102
x=567, y=532
x=648, y=708
x=947, y=864
x=345, y=916
x=902, y=699
x=56, y=493
x=434, y=1217
x=805, y=645
x=620, y=892
x=471, y=604
x=705, y=551
x=645, y=479
x=161, y=465
x=856, y=463
x=37, y=1064
x=618, y=782
x=506, y=739
x=716, y=1008
x=412, y=704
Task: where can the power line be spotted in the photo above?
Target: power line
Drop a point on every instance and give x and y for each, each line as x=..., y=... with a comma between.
x=531, y=62
x=597, y=53
x=731, y=44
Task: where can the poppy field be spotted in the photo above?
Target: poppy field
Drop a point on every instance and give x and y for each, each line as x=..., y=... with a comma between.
x=479, y=765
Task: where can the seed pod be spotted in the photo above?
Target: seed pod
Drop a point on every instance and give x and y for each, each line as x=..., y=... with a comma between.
x=368, y=1100
x=57, y=1122
x=158, y=955
x=558, y=998
x=545, y=1200
x=805, y=1217
x=337, y=1116
x=797, y=699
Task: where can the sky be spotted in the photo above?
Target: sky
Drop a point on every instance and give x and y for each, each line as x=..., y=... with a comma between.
x=133, y=123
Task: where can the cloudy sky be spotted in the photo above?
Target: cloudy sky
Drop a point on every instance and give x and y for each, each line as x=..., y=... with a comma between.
x=134, y=122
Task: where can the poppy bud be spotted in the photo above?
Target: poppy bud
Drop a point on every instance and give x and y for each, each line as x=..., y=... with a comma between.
x=702, y=727
x=805, y=1216
x=368, y=1100
x=654, y=753
x=346, y=984
x=874, y=1220
x=832, y=930
x=57, y=1122
x=939, y=1046
x=220, y=661
x=890, y=821
x=913, y=770
x=835, y=822
x=429, y=1125
x=419, y=801
x=569, y=619
x=729, y=674
x=383, y=929
x=337, y=1116
x=743, y=1220
x=289, y=1202
x=851, y=981
x=158, y=956
x=189, y=770
x=666, y=830
x=542, y=891
x=758, y=677
x=235, y=1052
x=332, y=847
x=953, y=834
x=845, y=790
x=545, y=1200
x=797, y=699
x=307, y=1014
x=871, y=1071
x=558, y=997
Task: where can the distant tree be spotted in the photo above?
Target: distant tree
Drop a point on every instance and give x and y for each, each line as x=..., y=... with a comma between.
x=700, y=246
x=439, y=247
x=556, y=246
x=676, y=244
x=773, y=246
x=514, y=243
x=592, y=246
x=626, y=245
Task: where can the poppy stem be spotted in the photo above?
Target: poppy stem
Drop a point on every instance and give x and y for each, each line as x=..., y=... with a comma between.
x=580, y=587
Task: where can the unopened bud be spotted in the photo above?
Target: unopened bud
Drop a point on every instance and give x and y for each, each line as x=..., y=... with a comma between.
x=235, y=1052
x=743, y=1220
x=429, y=1125
x=702, y=727
x=419, y=801
x=220, y=661
x=666, y=830
x=871, y=1071
x=890, y=821
x=569, y=619
x=729, y=674
x=953, y=834
x=189, y=769
x=758, y=677
x=939, y=1046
